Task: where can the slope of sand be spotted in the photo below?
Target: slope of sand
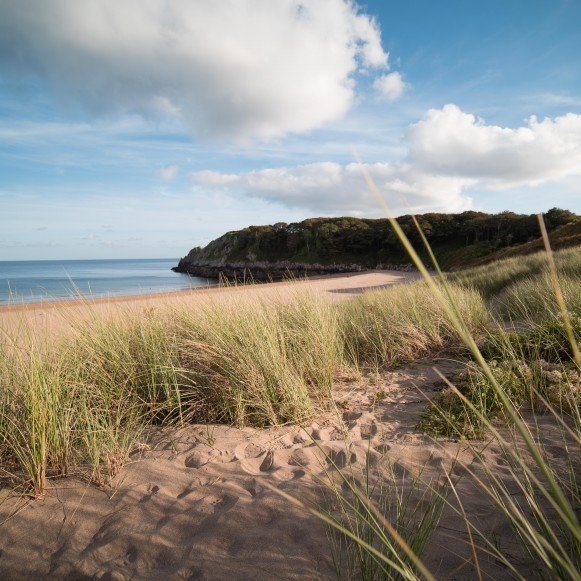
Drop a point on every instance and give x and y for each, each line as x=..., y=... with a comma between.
x=194, y=503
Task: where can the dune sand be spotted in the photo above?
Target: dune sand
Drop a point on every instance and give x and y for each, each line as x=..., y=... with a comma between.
x=194, y=503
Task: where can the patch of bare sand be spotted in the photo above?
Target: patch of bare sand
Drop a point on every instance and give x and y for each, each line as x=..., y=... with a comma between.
x=195, y=505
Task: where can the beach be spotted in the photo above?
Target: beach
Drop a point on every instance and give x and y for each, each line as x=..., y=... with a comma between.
x=216, y=501
x=201, y=502
x=290, y=290
x=58, y=316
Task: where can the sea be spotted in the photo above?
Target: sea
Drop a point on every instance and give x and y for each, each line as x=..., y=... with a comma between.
x=55, y=280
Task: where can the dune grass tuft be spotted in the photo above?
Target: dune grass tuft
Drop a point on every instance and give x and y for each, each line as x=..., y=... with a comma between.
x=491, y=279
x=388, y=327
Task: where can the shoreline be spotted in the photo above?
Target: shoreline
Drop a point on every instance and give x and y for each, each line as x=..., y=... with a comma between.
x=58, y=317
x=209, y=289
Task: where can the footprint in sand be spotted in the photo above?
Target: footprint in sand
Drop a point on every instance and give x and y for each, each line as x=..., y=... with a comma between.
x=368, y=430
x=383, y=448
x=213, y=504
x=201, y=457
x=110, y=576
x=341, y=457
x=323, y=434
x=271, y=462
x=253, y=488
x=302, y=438
x=197, y=459
x=300, y=457
x=435, y=460
x=351, y=416
x=245, y=451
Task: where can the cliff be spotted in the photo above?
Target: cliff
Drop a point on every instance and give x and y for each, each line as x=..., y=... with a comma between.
x=337, y=245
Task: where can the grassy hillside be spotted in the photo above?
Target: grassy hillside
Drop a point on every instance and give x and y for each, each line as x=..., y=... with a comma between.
x=459, y=240
x=563, y=236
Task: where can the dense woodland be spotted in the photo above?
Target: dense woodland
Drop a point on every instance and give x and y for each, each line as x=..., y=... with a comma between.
x=458, y=239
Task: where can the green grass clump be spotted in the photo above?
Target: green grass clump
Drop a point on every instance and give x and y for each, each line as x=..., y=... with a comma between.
x=55, y=420
x=83, y=401
x=36, y=418
x=386, y=328
x=259, y=364
x=533, y=367
x=534, y=298
x=546, y=340
x=130, y=357
x=491, y=279
x=524, y=383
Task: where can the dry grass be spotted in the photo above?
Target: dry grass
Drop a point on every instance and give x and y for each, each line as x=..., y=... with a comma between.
x=384, y=329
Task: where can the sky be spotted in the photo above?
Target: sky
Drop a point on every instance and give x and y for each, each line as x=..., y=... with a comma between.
x=143, y=128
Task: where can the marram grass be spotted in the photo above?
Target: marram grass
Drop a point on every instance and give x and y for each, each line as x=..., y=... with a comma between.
x=546, y=522
x=81, y=402
x=79, y=405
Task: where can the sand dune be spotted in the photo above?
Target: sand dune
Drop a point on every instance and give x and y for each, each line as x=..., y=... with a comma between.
x=194, y=502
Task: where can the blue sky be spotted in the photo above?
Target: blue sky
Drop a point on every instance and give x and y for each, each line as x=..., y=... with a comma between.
x=128, y=131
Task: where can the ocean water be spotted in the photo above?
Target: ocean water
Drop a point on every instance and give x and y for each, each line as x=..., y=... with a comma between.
x=53, y=280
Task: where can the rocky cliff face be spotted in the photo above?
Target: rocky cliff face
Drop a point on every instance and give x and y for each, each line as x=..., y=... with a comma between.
x=239, y=256
x=259, y=271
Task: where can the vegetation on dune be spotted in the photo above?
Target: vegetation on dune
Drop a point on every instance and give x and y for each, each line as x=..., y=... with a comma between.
x=492, y=279
x=534, y=365
x=383, y=329
x=256, y=364
x=537, y=496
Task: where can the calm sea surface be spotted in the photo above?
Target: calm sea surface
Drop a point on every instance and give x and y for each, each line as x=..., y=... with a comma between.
x=33, y=281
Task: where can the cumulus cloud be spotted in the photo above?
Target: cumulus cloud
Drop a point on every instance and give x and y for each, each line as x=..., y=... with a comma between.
x=390, y=87
x=332, y=188
x=451, y=142
x=449, y=151
x=168, y=173
x=237, y=68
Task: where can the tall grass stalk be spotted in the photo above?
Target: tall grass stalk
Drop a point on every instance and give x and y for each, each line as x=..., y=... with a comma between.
x=541, y=534
x=395, y=514
x=559, y=294
x=552, y=491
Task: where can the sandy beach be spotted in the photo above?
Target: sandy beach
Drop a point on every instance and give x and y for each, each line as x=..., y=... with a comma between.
x=200, y=502
x=290, y=290
x=57, y=316
x=197, y=503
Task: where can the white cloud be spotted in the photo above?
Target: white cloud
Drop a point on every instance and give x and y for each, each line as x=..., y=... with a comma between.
x=239, y=68
x=390, y=87
x=453, y=143
x=331, y=188
x=168, y=173
x=449, y=152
